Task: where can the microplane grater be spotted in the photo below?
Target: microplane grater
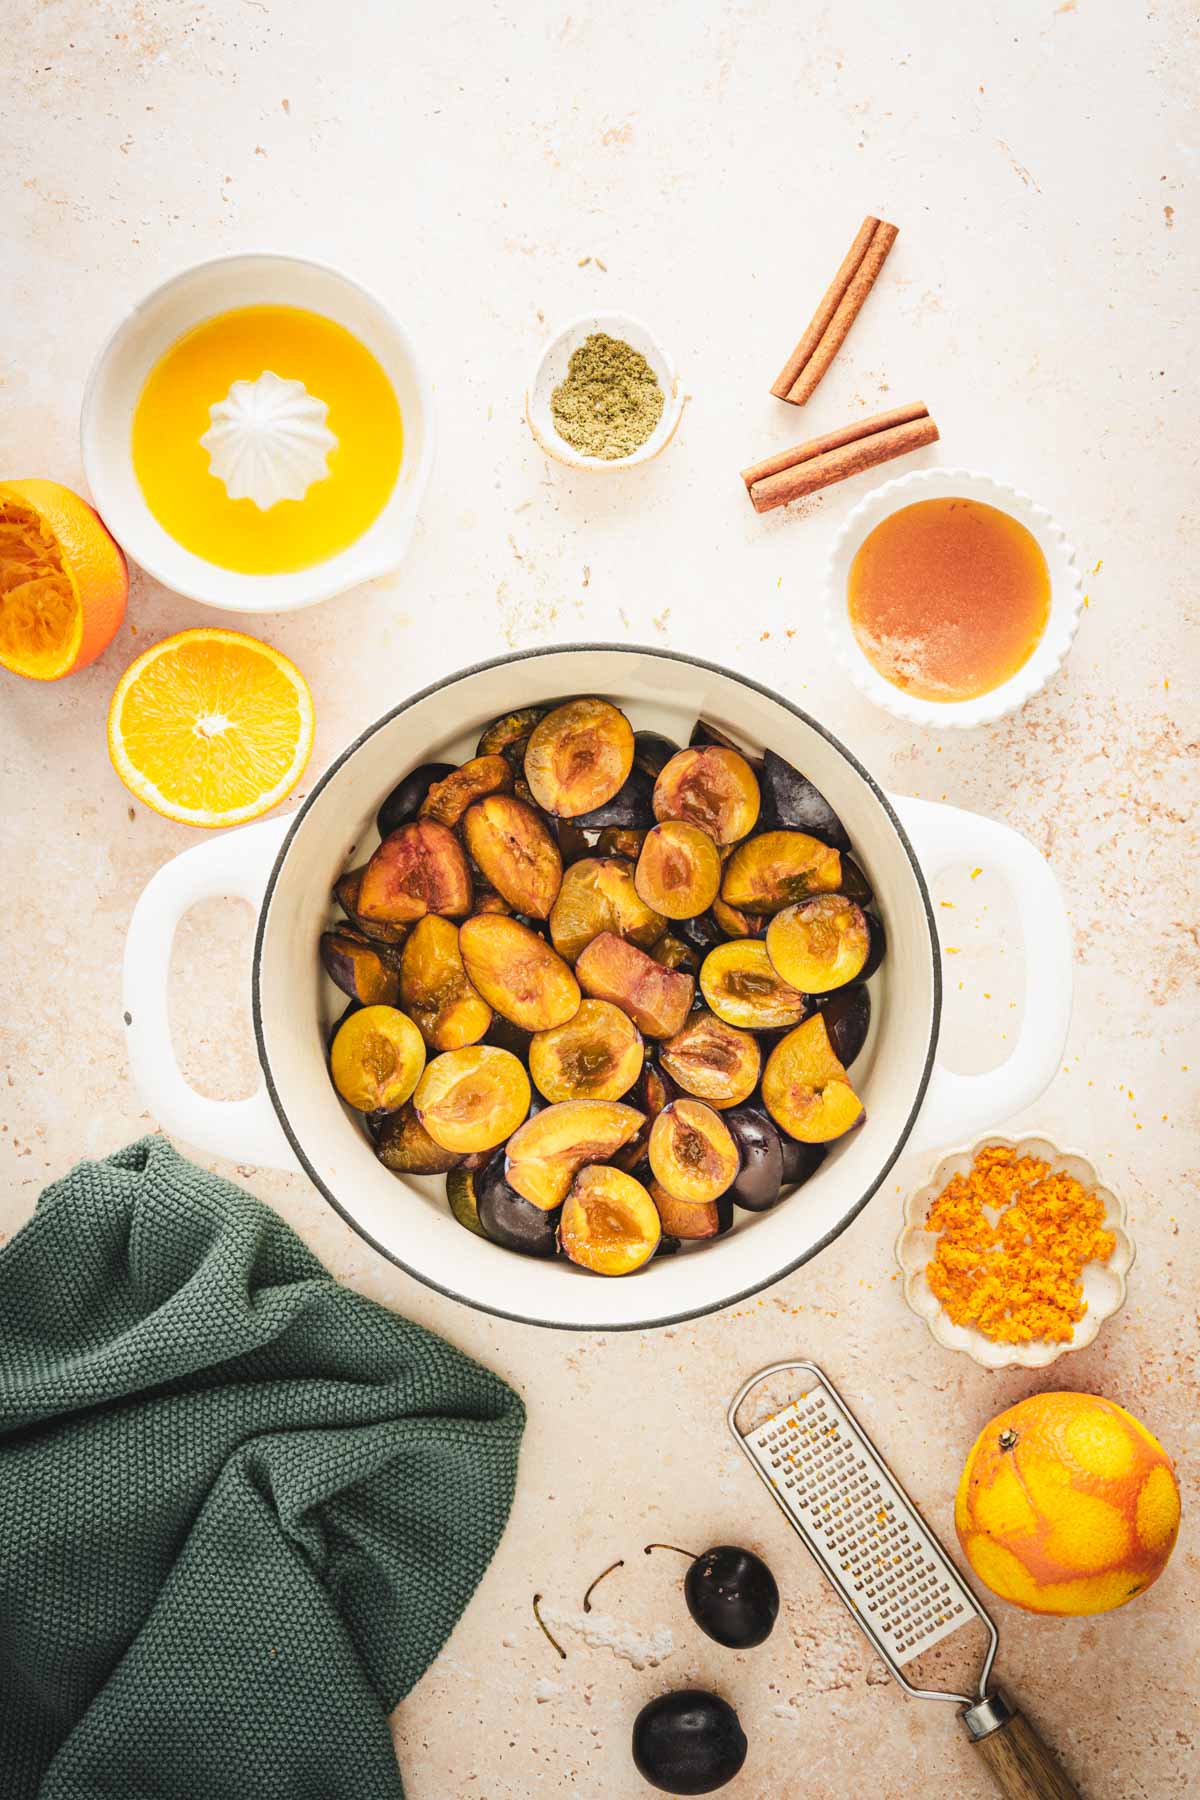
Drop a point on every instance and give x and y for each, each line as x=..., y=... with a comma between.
x=883, y=1561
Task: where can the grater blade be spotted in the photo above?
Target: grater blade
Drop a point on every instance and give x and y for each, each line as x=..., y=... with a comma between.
x=871, y=1543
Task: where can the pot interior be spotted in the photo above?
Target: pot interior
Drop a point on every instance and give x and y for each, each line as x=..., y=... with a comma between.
x=407, y=1217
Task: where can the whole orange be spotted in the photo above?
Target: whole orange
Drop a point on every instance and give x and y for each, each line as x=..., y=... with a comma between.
x=1067, y=1504
x=63, y=581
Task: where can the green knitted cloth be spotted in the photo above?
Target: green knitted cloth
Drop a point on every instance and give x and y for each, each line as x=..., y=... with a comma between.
x=241, y=1507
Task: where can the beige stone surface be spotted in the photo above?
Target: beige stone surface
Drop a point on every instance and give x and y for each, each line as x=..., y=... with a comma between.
x=712, y=160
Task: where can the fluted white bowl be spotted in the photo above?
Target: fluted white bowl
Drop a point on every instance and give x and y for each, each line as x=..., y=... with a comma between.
x=1104, y=1284
x=1066, y=598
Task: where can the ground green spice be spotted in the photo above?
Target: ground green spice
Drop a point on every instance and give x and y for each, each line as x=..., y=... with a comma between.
x=610, y=402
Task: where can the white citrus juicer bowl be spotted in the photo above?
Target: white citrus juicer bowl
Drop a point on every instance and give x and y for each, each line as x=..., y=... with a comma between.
x=273, y=439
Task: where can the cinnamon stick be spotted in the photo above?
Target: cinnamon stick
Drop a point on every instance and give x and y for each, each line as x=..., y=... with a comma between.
x=841, y=305
x=861, y=445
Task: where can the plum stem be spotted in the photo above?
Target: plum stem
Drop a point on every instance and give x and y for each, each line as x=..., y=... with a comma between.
x=587, y=1598
x=537, y=1598
x=675, y=1547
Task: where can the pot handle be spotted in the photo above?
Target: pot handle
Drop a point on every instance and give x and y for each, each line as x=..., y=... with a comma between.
x=957, y=1108
x=236, y=863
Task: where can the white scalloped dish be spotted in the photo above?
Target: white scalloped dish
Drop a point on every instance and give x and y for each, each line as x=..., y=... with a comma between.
x=1066, y=598
x=1104, y=1284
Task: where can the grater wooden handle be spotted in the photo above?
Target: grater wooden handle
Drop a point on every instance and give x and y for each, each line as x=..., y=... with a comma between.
x=1020, y=1764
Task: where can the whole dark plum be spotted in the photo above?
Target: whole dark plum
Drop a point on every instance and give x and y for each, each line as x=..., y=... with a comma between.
x=629, y=809
x=652, y=752
x=508, y=1218
x=790, y=802
x=800, y=1161
x=732, y=1596
x=688, y=1742
x=404, y=801
x=878, y=949
x=759, y=1182
x=847, y=1015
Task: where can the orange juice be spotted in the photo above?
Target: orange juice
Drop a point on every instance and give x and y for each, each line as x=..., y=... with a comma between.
x=301, y=413
x=949, y=598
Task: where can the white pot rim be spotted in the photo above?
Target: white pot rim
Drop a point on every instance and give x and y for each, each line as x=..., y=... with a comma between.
x=1066, y=598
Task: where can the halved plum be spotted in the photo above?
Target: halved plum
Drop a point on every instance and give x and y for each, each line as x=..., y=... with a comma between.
x=597, y=1055
x=573, y=843
x=819, y=945
x=790, y=802
x=404, y=801
x=805, y=1088
x=597, y=895
x=376, y=1058
x=704, y=732
x=517, y=972
x=578, y=756
x=711, y=787
x=609, y=1223
x=508, y=1218
x=652, y=752
x=351, y=1006
x=681, y=1219
x=653, y=1091
x=346, y=890
x=658, y=1000
x=472, y=1099
x=679, y=870
x=510, y=732
x=515, y=852
x=419, y=869
x=855, y=885
x=759, y=1183
x=356, y=966
x=630, y=809
x=735, y=923
x=800, y=1161
x=448, y=799
x=434, y=988
x=778, y=868
x=742, y=986
x=621, y=840
x=878, y=949
x=673, y=953
x=547, y=1152
x=847, y=1015
x=404, y=1146
x=692, y=1152
x=712, y=1060
x=487, y=900
x=507, y=1036
x=462, y=1199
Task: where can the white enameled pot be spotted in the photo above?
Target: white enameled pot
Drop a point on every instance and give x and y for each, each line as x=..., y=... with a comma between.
x=295, y=1120
x=145, y=334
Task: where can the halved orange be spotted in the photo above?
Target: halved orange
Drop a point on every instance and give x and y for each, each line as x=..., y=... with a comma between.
x=211, y=727
x=63, y=581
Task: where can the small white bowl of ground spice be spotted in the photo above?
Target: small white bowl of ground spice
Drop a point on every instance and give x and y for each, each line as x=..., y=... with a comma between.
x=605, y=394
